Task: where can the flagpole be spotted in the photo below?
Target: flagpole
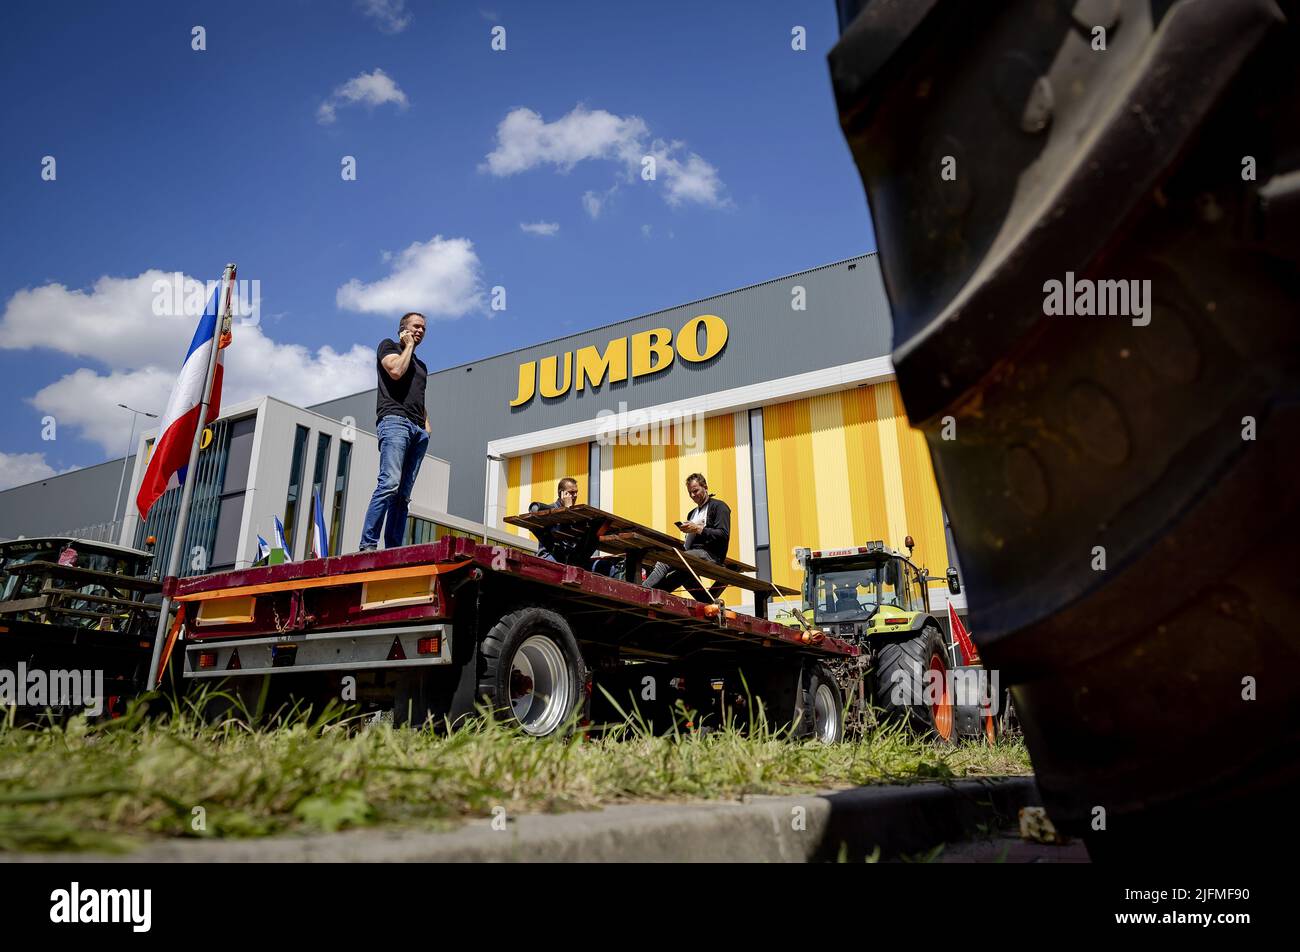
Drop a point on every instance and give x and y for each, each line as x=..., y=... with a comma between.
x=187, y=488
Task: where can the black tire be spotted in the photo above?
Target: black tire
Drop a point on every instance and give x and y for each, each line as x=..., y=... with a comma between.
x=791, y=701
x=823, y=706
x=899, y=686
x=531, y=672
x=973, y=719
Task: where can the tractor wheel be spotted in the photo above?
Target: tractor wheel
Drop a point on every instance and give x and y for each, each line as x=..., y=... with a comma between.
x=911, y=683
x=973, y=720
x=823, y=707
x=531, y=671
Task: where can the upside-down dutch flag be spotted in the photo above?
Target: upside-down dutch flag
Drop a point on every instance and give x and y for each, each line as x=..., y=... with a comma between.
x=171, y=452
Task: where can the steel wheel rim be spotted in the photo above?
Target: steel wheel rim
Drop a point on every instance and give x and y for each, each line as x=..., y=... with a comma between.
x=826, y=715
x=541, y=691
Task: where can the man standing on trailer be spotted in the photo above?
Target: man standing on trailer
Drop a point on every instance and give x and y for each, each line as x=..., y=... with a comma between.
x=403, y=428
x=708, y=533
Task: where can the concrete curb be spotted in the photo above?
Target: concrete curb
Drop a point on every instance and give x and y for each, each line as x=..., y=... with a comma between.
x=898, y=819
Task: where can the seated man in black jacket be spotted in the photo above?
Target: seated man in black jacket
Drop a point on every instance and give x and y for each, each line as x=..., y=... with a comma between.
x=708, y=533
x=548, y=546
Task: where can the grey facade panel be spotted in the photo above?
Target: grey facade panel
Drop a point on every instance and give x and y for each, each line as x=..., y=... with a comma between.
x=846, y=319
x=76, y=500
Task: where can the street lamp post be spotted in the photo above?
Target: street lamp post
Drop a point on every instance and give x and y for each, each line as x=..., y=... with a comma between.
x=129, y=443
x=487, y=480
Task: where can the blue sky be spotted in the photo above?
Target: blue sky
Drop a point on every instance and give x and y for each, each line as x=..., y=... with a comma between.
x=175, y=160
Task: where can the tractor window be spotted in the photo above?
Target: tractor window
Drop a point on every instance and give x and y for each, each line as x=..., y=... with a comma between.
x=891, y=587
x=918, y=589
x=846, y=591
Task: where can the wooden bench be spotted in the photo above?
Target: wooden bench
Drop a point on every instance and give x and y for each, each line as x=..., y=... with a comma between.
x=590, y=529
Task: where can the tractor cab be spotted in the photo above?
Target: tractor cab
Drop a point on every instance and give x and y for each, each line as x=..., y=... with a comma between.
x=863, y=590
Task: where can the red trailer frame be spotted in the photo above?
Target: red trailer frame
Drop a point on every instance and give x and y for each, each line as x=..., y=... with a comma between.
x=454, y=591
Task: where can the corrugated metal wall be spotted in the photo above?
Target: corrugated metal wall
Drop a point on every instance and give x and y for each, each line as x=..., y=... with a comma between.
x=846, y=318
x=846, y=468
x=843, y=469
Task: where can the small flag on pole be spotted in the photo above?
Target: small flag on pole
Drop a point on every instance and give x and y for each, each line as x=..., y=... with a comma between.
x=279, y=540
x=263, y=548
x=320, y=542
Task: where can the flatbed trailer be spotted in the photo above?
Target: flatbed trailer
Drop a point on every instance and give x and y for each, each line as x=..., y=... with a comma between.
x=436, y=630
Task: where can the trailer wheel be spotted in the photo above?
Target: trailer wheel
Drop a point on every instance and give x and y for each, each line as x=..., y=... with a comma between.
x=531, y=671
x=822, y=706
x=911, y=683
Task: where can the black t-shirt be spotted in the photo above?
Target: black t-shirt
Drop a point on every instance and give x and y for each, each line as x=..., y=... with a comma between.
x=404, y=396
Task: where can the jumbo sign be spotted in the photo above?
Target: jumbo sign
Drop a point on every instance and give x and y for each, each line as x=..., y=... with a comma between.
x=649, y=352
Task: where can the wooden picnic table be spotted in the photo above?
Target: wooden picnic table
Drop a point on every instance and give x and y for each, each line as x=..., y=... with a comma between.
x=590, y=529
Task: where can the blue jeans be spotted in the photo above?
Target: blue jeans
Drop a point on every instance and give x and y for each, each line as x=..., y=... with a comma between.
x=401, y=450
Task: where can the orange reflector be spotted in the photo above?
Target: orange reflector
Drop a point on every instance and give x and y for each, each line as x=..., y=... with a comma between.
x=207, y=659
x=430, y=645
x=896, y=621
x=396, y=653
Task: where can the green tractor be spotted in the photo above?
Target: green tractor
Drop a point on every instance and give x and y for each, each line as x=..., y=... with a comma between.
x=879, y=599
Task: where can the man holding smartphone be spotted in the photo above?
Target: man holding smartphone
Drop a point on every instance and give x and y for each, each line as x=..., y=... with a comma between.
x=708, y=534
x=548, y=546
x=403, y=428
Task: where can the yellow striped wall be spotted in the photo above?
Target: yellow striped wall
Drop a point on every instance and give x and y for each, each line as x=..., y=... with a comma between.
x=846, y=468
x=842, y=469
x=533, y=478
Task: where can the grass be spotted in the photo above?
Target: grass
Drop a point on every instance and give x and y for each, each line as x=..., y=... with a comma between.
x=114, y=784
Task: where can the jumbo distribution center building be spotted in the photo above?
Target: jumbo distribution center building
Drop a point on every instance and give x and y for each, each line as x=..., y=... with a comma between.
x=781, y=393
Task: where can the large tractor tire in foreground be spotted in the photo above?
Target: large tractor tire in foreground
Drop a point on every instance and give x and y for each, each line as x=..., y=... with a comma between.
x=1119, y=471
x=910, y=682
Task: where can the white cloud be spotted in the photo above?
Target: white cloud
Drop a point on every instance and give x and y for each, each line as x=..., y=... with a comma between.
x=646, y=230
x=19, y=468
x=390, y=15
x=370, y=89
x=592, y=203
x=525, y=140
x=544, y=229
x=441, y=277
x=114, y=325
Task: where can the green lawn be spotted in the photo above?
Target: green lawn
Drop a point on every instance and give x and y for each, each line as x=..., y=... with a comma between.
x=109, y=785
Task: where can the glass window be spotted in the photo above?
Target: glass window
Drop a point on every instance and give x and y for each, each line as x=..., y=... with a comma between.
x=917, y=588
x=239, y=455
x=847, y=591
x=317, y=488
x=340, y=496
x=296, y=464
x=889, y=594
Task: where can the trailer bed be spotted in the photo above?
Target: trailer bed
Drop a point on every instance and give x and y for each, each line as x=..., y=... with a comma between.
x=387, y=588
